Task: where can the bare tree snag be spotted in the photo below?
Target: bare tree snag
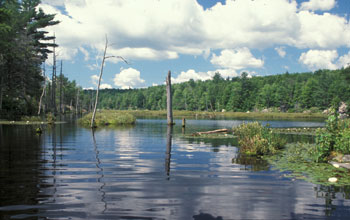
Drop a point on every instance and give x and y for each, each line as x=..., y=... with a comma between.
x=99, y=79
x=43, y=93
x=169, y=100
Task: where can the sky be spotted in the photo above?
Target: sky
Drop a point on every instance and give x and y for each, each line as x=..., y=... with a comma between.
x=194, y=39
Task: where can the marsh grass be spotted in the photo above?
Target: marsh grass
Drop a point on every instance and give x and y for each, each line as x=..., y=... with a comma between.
x=233, y=115
x=108, y=117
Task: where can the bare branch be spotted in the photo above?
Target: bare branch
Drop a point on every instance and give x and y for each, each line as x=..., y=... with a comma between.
x=119, y=57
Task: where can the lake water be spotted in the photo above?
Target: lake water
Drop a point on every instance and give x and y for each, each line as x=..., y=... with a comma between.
x=149, y=171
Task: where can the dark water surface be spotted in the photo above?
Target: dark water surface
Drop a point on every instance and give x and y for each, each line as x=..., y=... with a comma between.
x=150, y=172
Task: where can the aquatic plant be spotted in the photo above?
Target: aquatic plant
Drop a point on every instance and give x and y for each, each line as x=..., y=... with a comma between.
x=108, y=117
x=255, y=139
x=298, y=159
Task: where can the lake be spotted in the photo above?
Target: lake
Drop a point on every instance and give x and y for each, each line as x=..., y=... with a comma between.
x=149, y=171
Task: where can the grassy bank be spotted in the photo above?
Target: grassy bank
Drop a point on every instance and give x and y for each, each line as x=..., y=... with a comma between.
x=233, y=115
x=108, y=117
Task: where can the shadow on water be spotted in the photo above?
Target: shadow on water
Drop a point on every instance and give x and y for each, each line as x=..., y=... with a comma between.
x=206, y=216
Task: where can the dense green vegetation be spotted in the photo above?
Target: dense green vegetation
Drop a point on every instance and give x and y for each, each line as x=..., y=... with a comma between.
x=108, y=117
x=255, y=139
x=23, y=48
x=285, y=92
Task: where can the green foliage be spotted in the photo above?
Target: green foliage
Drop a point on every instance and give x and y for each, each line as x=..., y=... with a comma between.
x=23, y=48
x=334, y=138
x=50, y=118
x=253, y=138
x=31, y=118
x=108, y=117
x=284, y=93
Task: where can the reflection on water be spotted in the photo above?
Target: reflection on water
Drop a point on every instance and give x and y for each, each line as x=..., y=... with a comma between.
x=148, y=171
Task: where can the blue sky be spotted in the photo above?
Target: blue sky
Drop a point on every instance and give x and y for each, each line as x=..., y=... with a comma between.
x=196, y=38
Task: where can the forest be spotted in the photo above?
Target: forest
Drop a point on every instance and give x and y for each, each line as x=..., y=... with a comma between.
x=27, y=89
x=286, y=92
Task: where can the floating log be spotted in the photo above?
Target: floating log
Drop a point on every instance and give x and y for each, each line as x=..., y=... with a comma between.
x=224, y=130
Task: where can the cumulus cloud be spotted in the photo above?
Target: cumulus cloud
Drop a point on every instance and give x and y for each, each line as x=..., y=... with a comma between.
x=344, y=61
x=319, y=59
x=185, y=76
x=105, y=86
x=128, y=78
x=236, y=59
x=314, y=5
x=157, y=30
x=324, y=31
x=281, y=51
x=94, y=79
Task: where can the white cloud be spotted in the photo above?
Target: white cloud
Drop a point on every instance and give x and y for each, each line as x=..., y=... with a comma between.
x=94, y=79
x=164, y=29
x=105, y=86
x=319, y=59
x=281, y=51
x=85, y=52
x=191, y=74
x=324, y=31
x=128, y=78
x=236, y=59
x=314, y=5
x=185, y=76
x=344, y=61
x=88, y=88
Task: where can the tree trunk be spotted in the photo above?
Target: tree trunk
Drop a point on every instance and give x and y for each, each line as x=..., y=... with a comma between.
x=77, y=103
x=60, y=108
x=53, y=94
x=43, y=93
x=1, y=86
x=169, y=100
x=98, y=86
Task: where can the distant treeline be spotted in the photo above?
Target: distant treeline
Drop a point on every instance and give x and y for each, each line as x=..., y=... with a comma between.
x=285, y=92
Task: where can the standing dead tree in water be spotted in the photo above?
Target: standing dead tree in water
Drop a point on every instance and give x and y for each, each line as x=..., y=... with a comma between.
x=43, y=92
x=100, y=77
x=169, y=100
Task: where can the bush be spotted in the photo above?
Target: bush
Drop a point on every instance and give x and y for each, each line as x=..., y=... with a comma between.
x=335, y=138
x=253, y=138
x=50, y=118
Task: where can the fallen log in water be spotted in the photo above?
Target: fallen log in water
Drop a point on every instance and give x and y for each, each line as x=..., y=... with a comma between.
x=224, y=130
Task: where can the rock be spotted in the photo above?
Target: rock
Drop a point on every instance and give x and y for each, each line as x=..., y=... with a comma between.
x=333, y=179
x=223, y=110
x=326, y=111
x=346, y=158
x=265, y=110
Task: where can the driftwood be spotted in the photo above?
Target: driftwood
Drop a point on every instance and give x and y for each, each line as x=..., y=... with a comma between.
x=224, y=130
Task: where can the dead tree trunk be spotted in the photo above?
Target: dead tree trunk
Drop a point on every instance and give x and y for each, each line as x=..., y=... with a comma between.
x=53, y=94
x=43, y=93
x=1, y=90
x=61, y=78
x=99, y=80
x=169, y=100
x=98, y=85
x=77, y=103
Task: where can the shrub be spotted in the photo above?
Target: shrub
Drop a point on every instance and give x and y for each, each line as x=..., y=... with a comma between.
x=50, y=118
x=335, y=138
x=253, y=138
